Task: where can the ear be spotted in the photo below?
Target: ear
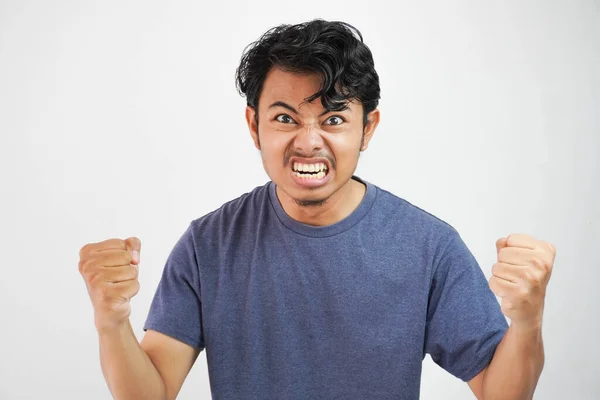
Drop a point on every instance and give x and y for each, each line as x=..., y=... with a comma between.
x=369, y=130
x=252, y=125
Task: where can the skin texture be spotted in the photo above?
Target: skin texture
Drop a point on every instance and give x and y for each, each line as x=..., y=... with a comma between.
x=156, y=367
x=524, y=263
x=311, y=133
x=520, y=278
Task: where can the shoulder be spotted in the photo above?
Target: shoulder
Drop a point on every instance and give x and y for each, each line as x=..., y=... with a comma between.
x=234, y=213
x=401, y=212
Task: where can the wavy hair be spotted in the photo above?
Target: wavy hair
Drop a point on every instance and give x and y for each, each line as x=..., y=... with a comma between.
x=332, y=49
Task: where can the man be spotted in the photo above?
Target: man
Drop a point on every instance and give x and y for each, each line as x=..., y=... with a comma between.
x=319, y=285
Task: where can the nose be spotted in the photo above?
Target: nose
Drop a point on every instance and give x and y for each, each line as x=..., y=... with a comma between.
x=308, y=140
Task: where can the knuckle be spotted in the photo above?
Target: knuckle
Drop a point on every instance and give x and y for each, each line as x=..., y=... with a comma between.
x=104, y=292
x=121, y=244
x=538, y=262
x=81, y=266
x=528, y=276
x=116, y=257
x=114, y=243
x=501, y=255
x=546, y=264
x=123, y=256
x=523, y=292
x=84, y=250
x=510, y=239
x=93, y=278
x=496, y=268
x=534, y=279
x=85, y=266
x=504, y=253
x=548, y=247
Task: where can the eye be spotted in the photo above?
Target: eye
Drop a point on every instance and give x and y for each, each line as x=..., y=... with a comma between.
x=284, y=119
x=334, y=120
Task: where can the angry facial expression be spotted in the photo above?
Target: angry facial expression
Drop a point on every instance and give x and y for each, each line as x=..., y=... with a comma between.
x=309, y=152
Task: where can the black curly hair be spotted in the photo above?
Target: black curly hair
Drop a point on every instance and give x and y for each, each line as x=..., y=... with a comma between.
x=332, y=49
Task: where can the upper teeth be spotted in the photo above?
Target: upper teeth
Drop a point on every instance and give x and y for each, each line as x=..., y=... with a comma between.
x=310, y=167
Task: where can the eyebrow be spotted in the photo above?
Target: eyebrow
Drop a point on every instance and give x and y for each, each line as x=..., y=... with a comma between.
x=283, y=104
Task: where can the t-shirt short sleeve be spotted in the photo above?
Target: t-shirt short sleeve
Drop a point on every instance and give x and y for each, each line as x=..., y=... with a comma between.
x=464, y=320
x=176, y=308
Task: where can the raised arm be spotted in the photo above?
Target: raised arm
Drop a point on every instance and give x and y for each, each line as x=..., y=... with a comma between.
x=153, y=369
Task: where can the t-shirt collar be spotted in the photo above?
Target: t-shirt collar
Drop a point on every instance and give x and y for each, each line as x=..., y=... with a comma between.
x=329, y=230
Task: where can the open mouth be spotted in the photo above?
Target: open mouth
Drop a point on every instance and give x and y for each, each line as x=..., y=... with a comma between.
x=310, y=171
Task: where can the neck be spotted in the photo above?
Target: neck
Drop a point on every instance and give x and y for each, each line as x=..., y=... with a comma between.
x=333, y=209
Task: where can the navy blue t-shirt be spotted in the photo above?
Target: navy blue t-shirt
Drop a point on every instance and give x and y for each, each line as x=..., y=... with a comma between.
x=287, y=310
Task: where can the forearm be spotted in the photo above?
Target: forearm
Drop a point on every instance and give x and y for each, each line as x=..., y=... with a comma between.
x=516, y=367
x=127, y=369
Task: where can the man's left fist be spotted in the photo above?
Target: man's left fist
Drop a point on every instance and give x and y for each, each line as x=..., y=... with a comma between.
x=520, y=277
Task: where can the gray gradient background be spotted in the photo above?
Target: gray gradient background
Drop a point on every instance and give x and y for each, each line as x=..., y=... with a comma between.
x=121, y=118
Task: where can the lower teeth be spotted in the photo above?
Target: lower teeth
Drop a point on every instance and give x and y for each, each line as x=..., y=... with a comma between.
x=319, y=175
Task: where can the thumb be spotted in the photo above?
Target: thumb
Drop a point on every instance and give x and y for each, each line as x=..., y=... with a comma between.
x=500, y=244
x=134, y=246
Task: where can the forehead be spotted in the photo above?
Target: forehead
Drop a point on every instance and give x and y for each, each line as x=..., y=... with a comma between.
x=290, y=85
x=292, y=88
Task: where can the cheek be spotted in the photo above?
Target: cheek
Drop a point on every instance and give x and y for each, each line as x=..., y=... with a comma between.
x=273, y=148
x=346, y=149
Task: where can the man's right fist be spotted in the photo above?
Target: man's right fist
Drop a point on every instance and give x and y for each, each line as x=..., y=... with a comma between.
x=110, y=272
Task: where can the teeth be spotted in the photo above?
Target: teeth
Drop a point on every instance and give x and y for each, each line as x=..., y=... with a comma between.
x=299, y=167
x=319, y=175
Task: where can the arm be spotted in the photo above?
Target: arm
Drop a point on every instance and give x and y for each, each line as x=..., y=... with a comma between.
x=515, y=368
x=173, y=359
x=520, y=278
x=127, y=369
x=153, y=369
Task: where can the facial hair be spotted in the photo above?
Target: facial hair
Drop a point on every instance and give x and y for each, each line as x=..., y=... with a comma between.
x=310, y=203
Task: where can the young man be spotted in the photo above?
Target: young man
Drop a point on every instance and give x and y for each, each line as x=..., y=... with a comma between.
x=319, y=285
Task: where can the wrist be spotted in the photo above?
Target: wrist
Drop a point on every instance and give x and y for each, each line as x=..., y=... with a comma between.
x=110, y=328
x=528, y=328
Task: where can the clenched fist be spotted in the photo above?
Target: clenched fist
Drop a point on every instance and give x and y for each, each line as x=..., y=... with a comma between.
x=520, y=277
x=110, y=272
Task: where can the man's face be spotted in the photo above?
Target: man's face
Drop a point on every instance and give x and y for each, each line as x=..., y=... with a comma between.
x=308, y=151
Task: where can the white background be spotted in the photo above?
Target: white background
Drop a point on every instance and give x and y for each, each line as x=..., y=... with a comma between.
x=122, y=118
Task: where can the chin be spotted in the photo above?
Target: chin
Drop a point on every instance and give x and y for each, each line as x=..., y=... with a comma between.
x=311, y=196
x=307, y=191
